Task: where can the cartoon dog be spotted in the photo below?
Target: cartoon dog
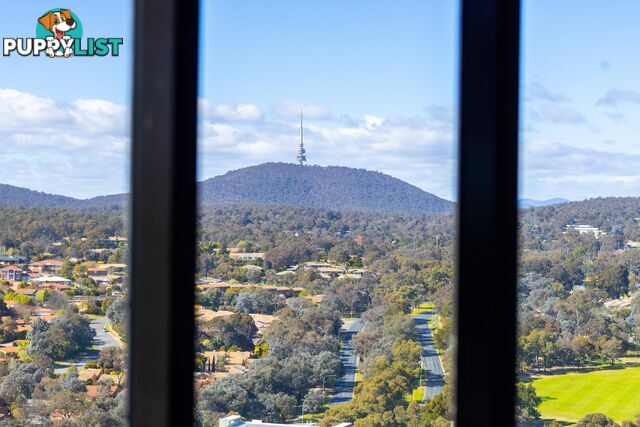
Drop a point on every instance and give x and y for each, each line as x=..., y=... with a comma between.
x=59, y=23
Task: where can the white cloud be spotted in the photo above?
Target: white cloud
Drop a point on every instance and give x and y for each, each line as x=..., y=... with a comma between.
x=615, y=97
x=550, y=168
x=77, y=148
x=237, y=112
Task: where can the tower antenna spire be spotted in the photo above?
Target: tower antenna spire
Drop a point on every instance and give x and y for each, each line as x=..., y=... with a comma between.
x=301, y=156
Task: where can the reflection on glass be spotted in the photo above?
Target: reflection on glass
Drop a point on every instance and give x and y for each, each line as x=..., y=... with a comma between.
x=325, y=284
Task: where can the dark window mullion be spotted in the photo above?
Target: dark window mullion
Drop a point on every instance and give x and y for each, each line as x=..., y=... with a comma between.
x=487, y=216
x=163, y=212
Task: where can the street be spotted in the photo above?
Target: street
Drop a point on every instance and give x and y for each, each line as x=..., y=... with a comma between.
x=432, y=364
x=343, y=391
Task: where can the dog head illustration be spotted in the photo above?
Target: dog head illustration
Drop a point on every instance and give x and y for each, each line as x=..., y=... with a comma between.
x=58, y=22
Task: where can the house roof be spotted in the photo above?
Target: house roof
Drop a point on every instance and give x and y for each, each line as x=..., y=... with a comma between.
x=47, y=262
x=89, y=374
x=10, y=267
x=51, y=279
x=26, y=291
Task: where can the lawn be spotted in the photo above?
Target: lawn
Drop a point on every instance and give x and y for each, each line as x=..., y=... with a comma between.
x=418, y=394
x=613, y=392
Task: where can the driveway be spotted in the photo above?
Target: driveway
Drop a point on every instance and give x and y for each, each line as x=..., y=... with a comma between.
x=430, y=358
x=343, y=391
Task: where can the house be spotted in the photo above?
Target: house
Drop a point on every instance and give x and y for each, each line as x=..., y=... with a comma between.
x=30, y=292
x=12, y=274
x=90, y=375
x=97, y=272
x=246, y=256
x=113, y=242
x=61, y=287
x=12, y=260
x=330, y=272
x=9, y=351
x=50, y=280
x=115, y=268
x=49, y=266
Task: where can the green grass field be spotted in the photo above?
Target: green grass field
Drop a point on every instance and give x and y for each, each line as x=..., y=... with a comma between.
x=568, y=397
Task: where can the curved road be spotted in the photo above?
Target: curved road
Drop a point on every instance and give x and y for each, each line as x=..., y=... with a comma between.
x=101, y=340
x=430, y=358
x=343, y=391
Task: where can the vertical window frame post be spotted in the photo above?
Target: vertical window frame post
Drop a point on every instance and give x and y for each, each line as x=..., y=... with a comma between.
x=163, y=213
x=487, y=213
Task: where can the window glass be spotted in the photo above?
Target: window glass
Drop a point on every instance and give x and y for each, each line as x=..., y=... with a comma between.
x=64, y=132
x=327, y=166
x=579, y=232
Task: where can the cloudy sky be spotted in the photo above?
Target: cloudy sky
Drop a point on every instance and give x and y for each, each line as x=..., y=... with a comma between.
x=377, y=80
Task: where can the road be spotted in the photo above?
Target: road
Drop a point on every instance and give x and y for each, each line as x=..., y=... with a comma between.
x=101, y=340
x=432, y=363
x=343, y=391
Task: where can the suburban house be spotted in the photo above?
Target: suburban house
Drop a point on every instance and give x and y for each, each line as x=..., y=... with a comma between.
x=97, y=272
x=113, y=242
x=114, y=268
x=90, y=375
x=40, y=281
x=12, y=260
x=49, y=266
x=9, y=351
x=30, y=292
x=13, y=274
x=246, y=256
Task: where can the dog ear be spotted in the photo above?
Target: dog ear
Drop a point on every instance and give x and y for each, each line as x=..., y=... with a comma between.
x=46, y=21
x=66, y=13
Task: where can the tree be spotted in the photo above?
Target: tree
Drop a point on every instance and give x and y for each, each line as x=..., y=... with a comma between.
x=583, y=349
x=527, y=403
x=20, y=382
x=113, y=358
x=105, y=411
x=257, y=300
x=70, y=382
x=277, y=406
x=615, y=281
x=227, y=395
x=67, y=404
x=596, y=420
x=611, y=350
x=313, y=402
x=64, y=336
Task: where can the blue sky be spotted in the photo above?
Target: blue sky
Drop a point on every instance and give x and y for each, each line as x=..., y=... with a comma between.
x=377, y=80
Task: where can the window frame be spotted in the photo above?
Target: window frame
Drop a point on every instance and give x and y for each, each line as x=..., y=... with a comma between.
x=163, y=212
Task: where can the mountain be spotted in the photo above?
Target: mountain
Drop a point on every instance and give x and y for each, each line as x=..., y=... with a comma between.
x=283, y=184
x=332, y=187
x=23, y=197
x=529, y=203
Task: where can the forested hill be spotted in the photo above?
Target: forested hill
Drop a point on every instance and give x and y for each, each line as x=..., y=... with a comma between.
x=23, y=197
x=280, y=184
x=18, y=197
x=339, y=188
x=616, y=216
